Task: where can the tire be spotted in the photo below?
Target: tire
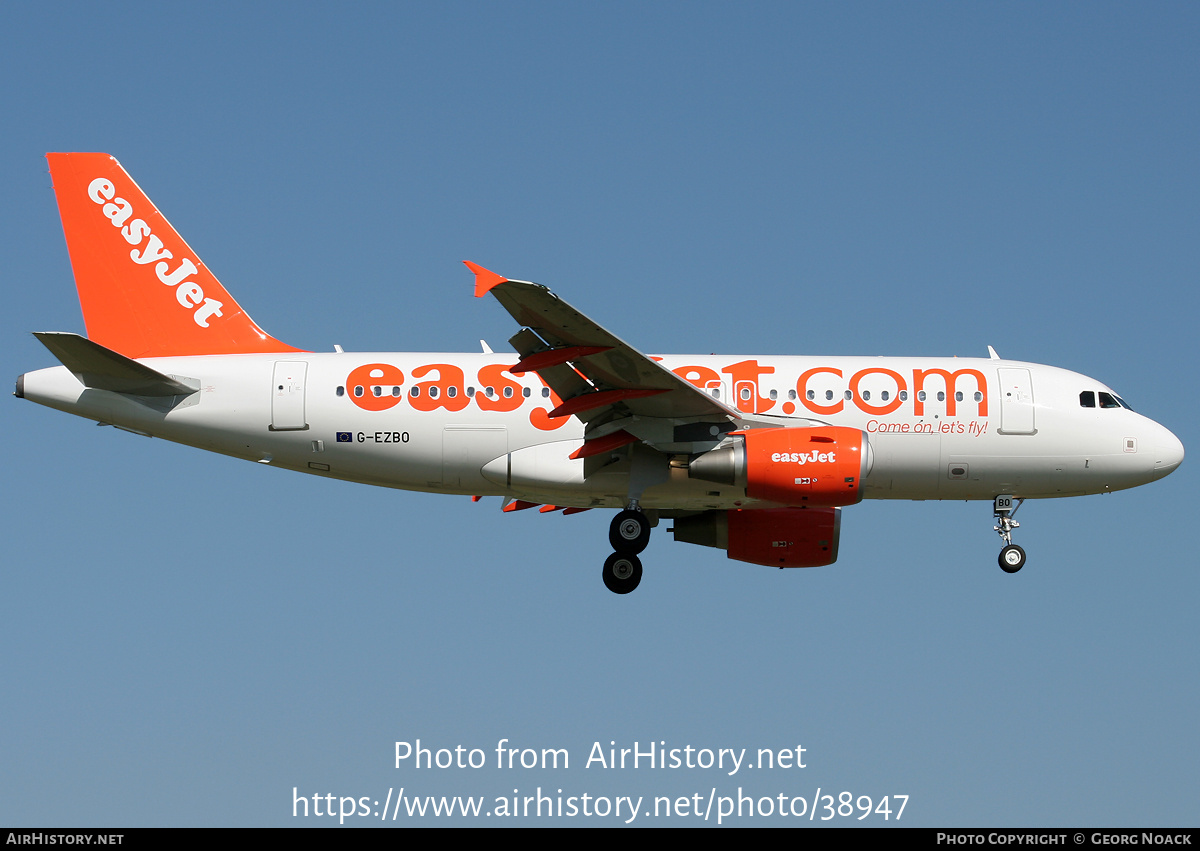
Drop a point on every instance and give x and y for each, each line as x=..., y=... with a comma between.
x=1012, y=558
x=630, y=532
x=622, y=573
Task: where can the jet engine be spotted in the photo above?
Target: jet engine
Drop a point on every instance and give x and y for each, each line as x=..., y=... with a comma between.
x=776, y=537
x=820, y=465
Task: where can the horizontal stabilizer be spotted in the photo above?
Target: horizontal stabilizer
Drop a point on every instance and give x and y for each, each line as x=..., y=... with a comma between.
x=103, y=369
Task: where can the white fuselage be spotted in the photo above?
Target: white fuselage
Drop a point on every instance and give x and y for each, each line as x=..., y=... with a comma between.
x=939, y=428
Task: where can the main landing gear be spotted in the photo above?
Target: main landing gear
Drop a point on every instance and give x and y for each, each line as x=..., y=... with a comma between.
x=629, y=534
x=1012, y=557
x=630, y=531
x=622, y=573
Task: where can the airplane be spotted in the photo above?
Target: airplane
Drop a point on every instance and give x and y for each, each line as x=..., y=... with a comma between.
x=754, y=455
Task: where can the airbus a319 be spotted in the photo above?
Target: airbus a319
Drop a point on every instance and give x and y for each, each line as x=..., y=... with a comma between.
x=750, y=454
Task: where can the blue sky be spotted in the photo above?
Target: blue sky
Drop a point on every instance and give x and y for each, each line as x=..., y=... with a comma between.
x=189, y=637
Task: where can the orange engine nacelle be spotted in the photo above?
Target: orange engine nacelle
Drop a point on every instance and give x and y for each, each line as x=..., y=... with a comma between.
x=821, y=465
x=777, y=537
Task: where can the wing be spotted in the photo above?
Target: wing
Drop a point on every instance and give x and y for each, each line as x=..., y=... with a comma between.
x=601, y=379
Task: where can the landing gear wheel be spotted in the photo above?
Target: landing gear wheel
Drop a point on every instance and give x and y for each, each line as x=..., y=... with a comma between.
x=622, y=573
x=1012, y=558
x=629, y=532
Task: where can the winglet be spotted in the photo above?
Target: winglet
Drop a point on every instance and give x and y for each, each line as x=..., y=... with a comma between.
x=484, y=280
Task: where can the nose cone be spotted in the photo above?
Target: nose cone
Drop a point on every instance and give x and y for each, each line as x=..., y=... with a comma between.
x=1168, y=453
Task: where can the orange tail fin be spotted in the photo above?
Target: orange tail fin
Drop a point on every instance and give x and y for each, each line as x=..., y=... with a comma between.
x=143, y=291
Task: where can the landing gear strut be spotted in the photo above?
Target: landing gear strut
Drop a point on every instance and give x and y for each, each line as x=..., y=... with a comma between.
x=629, y=534
x=1012, y=557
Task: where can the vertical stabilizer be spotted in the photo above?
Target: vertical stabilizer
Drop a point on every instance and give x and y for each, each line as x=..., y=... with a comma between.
x=143, y=291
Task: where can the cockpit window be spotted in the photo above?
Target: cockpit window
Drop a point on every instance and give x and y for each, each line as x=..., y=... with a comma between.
x=1087, y=399
x=1124, y=404
x=1107, y=400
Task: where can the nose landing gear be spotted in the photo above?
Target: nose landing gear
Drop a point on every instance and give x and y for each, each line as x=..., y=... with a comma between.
x=1012, y=557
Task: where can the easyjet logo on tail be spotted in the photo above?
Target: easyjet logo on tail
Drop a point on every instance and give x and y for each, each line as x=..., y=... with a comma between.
x=149, y=249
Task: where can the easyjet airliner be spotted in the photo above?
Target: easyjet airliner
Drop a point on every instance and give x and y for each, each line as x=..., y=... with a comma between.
x=753, y=455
